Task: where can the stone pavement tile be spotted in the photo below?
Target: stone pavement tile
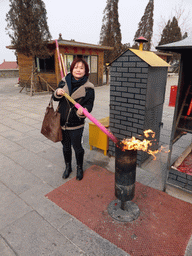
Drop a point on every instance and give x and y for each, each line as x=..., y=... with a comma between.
x=28, y=160
x=35, y=197
x=14, y=116
x=167, y=124
x=8, y=146
x=184, y=141
x=17, y=125
x=38, y=167
x=95, y=157
x=54, y=155
x=27, y=120
x=92, y=243
x=53, y=144
x=164, y=139
x=14, y=135
x=4, y=128
x=38, y=125
x=6, y=195
x=167, y=133
x=34, y=116
x=17, y=178
x=37, y=135
x=5, y=249
x=3, y=112
x=13, y=211
x=158, y=182
x=50, y=173
x=4, y=161
x=144, y=177
x=162, y=156
x=32, y=144
x=154, y=167
x=20, y=111
x=33, y=235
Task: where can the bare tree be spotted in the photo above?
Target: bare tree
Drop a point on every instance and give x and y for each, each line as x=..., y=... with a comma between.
x=183, y=16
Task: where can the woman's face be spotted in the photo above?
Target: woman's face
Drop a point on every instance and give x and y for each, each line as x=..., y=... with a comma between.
x=79, y=70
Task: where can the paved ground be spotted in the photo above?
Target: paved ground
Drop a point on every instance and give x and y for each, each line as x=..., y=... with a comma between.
x=31, y=166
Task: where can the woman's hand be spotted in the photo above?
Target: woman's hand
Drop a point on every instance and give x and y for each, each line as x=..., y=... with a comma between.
x=60, y=92
x=80, y=111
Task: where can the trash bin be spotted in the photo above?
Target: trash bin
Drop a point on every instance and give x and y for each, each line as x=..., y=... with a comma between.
x=97, y=138
x=173, y=96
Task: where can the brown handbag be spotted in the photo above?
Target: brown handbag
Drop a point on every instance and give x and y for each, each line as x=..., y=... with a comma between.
x=51, y=127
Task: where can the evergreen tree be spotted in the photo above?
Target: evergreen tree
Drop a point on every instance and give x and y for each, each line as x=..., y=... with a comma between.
x=28, y=22
x=185, y=35
x=110, y=34
x=145, y=26
x=171, y=33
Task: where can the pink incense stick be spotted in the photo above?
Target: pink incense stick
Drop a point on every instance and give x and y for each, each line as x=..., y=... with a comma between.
x=98, y=124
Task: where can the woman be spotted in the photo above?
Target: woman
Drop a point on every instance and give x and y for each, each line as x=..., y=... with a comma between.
x=77, y=85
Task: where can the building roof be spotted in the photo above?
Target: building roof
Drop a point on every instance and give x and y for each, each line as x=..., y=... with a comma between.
x=163, y=53
x=9, y=65
x=73, y=43
x=150, y=58
x=178, y=46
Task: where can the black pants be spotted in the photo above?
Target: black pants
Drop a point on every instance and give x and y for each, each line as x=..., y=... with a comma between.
x=72, y=138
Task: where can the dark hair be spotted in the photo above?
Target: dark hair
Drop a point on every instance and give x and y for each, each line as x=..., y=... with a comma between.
x=75, y=61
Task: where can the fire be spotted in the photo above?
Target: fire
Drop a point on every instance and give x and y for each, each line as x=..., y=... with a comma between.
x=136, y=144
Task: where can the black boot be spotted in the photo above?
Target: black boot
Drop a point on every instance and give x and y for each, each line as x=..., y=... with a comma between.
x=68, y=169
x=79, y=158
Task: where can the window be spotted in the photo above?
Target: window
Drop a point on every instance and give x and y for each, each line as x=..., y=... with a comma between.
x=93, y=64
x=69, y=61
x=45, y=65
x=91, y=61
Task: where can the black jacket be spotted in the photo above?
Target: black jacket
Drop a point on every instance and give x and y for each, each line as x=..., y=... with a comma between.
x=84, y=95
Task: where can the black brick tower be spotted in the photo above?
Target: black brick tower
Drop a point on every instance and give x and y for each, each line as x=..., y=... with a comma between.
x=137, y=90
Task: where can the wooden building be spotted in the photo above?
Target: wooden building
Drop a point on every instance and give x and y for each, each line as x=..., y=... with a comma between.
x=48, y=69
x=165, y=56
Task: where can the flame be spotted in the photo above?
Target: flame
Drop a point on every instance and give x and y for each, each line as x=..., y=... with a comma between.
x=136, y=144
x=148, y=132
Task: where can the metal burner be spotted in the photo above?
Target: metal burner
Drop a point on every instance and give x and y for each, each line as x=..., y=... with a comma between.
x=123, y=209
x=129, y=212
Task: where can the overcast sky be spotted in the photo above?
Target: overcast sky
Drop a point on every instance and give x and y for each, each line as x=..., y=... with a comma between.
x=82, y=19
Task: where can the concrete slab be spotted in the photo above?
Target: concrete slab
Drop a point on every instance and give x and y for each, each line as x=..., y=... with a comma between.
x=32, y=235
x=6, y=195
x=47, y=209
x=5, y=248
x=86, y=238
x=28, y=159
x=8, y=146
x=14, y=135
x=32, y=144
x=50, y=173
x=19, y=180
x=12, y=212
